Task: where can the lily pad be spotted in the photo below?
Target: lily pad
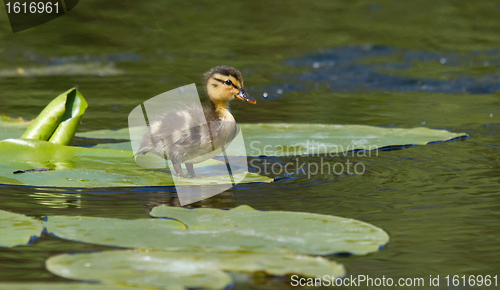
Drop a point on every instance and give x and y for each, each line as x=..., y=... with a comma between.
x=68, y=69
x=280, y=139
x=58, y=122
x=70, y=286
x=82, y=167
x=12, y=127
x=110, y=231
x=296, y=232
x=86, y=167
x=188, y=269
x=17, y=229
x=214, y=230
x=311, y=139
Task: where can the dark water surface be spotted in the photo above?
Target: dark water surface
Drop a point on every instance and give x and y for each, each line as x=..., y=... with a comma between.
x=381, y=63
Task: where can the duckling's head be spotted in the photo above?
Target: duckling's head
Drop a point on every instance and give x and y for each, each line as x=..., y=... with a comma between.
x=225, y=83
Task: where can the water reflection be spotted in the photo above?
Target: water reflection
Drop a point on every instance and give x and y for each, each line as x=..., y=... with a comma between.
x=57, y=200
x=439, y=203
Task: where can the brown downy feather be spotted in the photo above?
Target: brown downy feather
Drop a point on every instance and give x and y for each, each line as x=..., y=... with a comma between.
x=185, y=134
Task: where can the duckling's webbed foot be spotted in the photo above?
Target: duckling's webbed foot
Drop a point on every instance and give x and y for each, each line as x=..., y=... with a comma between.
x=178, y=170
x=190, y=169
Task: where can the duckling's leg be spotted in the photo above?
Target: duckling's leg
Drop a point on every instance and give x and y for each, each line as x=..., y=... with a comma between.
x=190, y=169
x=178, y=169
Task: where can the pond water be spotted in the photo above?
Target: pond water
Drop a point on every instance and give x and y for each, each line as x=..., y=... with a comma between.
x=382, y=63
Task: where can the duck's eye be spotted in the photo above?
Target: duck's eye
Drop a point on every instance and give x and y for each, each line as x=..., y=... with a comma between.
x=228, y=82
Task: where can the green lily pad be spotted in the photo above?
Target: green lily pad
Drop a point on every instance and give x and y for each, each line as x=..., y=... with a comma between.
x=296, y=232
x=69, y=69
x=86, y=167
x=115, y=146
x=17, y=229
x=188, y=269
x=70, y=286
x=214, y=230
x=58, y=122
x=110, y=231
x=312, y=139
x=277, y=139
x=114, y=166
x=12, y=127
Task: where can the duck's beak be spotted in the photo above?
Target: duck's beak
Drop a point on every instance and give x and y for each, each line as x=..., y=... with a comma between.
x=242, y=95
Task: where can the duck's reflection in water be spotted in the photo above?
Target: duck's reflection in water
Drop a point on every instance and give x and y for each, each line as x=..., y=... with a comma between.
x=123, y=202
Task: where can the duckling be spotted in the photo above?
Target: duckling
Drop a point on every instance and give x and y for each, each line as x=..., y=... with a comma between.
x=192, y=135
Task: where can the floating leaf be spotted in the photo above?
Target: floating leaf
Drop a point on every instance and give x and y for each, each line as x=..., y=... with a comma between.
x=12, y=127
x=312, y=139
x=106, y=169
x=297, y=232
x=277, y=139
x=17, y=229
x=188, y=269
x=113, y=232
x=58, y=122
x=121, y=134
x=70, y=286
x=116, y=146
x=214, y=230
x=86, y=167
x=67, y=69
x=11, y=121
x=39, y=151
